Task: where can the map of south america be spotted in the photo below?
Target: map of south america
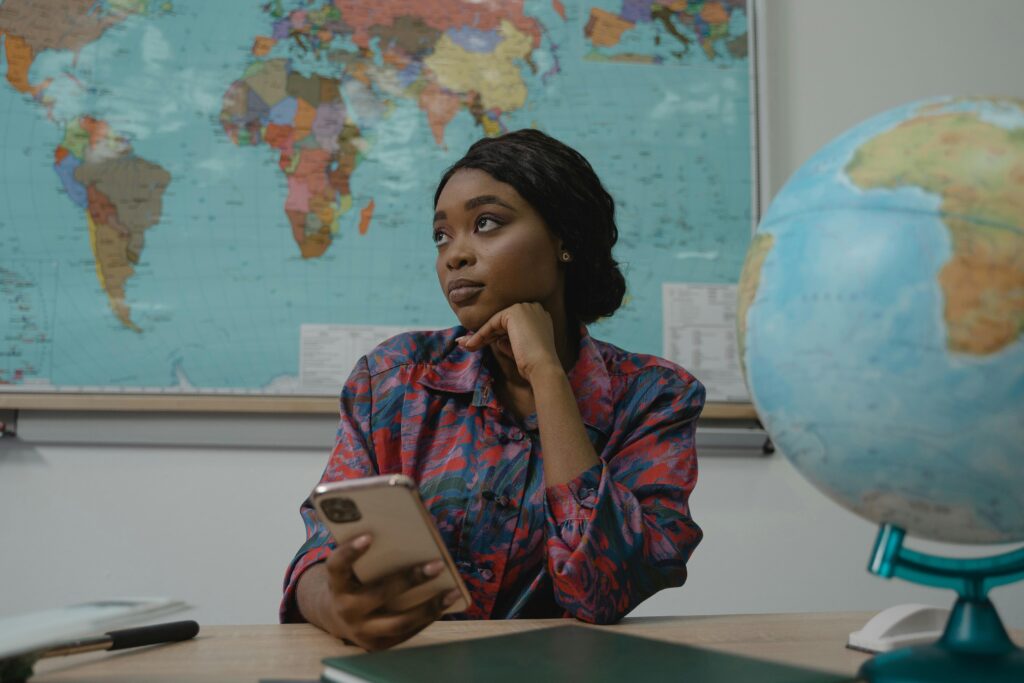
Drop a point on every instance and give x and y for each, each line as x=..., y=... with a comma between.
x=119, y=191
x=121, y=194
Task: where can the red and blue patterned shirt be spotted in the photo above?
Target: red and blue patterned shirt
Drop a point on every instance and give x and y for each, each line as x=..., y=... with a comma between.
x=592, y=548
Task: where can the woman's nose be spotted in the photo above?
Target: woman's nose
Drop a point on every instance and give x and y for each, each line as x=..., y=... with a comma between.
x=459, y=255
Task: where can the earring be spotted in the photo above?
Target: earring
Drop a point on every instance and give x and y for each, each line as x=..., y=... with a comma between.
x=565, y=256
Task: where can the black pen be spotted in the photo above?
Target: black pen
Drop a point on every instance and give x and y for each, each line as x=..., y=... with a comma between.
x=171, y=632
x=19, y=668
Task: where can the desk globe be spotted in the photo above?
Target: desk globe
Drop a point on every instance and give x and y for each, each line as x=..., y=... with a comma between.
x=881, y=328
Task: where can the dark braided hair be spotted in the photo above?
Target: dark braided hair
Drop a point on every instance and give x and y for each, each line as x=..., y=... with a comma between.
x=561, y=186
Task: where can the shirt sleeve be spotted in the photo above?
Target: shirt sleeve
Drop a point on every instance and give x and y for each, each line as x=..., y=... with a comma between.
x=621, y=531
x=351, y=458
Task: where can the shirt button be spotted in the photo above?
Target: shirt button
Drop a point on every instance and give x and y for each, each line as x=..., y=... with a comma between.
x=486, y=574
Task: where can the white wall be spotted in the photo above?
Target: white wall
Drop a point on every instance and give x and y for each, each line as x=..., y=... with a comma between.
x=833, y=63
x=216, y=526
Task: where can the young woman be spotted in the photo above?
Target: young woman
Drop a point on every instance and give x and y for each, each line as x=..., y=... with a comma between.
x=557, y=467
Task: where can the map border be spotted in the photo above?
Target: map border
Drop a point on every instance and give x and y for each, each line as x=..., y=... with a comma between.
x=223, y=400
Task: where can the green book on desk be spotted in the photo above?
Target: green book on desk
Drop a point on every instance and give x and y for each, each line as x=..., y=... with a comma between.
x=562, y=653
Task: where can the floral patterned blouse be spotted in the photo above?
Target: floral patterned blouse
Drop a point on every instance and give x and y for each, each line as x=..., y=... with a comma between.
x=592, y=548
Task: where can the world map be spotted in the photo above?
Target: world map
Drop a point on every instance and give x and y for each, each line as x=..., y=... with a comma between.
x=185, y=184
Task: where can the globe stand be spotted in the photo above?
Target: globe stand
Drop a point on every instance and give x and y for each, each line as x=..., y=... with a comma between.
x=975, y=645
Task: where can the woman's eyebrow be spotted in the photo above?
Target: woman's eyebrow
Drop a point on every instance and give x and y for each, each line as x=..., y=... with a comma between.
x=475, y=202
x=487, y=199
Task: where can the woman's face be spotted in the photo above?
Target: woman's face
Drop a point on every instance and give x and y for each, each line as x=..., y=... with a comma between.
x=493, y=250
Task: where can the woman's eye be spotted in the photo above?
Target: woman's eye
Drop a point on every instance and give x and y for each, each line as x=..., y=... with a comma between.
x=486, y=223
x=439, y=237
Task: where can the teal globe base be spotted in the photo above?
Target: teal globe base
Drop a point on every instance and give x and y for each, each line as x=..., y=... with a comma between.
x=975, y=646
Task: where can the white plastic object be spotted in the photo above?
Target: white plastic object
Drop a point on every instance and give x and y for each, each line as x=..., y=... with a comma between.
x=900, y=626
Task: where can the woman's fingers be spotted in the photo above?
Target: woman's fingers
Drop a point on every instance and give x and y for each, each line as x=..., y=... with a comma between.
x=340, y=577
x=504, y=345
x=386, y=630
x=359, y=607
x=488, y=332
x=527, y=318
x=374, y=596
x=477, y=340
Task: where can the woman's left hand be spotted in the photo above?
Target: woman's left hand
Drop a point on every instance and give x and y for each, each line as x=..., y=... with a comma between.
x=523, y=332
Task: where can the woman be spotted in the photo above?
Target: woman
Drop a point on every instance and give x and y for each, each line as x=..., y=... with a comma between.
x=557, y=467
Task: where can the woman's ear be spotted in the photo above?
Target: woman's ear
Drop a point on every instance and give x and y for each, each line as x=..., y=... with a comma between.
x=560, y=249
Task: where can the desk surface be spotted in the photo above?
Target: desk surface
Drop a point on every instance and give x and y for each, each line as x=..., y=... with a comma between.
x=229, y=654
x=249, y=653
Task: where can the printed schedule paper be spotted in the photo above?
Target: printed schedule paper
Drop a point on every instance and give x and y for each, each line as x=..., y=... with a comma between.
x=699, y=333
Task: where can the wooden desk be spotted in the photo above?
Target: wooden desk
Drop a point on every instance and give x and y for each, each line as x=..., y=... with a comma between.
x=224, y=654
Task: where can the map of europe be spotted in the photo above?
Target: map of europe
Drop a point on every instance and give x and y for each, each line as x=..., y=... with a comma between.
x=185, y=184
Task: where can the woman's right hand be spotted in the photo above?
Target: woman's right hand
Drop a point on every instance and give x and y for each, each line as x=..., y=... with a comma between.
x=356, y=612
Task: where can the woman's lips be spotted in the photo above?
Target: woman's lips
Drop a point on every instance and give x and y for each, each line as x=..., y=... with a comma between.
x=464, y=293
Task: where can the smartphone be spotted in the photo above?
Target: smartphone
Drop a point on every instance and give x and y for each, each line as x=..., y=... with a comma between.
x=389, y=508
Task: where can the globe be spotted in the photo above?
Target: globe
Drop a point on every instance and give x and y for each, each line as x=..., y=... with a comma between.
x=881, y=316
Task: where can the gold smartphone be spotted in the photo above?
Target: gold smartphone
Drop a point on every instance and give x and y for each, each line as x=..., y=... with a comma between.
x=389, y=508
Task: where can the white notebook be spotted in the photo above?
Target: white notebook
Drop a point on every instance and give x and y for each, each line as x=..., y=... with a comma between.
x=25, y=633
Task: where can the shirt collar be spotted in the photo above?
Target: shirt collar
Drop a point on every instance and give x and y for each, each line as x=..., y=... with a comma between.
x=458, y=369
x=461, y=371
x=591, y=384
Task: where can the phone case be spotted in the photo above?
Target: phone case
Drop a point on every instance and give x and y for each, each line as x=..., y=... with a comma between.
x=390, y=509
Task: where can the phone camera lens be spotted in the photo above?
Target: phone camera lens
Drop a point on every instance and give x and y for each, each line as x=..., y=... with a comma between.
x=341, y=510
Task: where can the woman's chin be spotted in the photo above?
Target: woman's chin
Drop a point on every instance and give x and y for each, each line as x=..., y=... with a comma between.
x=472, y=320
x=470, y=324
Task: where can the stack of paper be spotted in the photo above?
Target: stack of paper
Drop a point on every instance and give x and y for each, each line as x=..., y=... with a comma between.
x=36, y=631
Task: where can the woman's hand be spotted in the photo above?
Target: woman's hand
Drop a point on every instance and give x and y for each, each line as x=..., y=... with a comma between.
x=523, y=332
x=356, y=612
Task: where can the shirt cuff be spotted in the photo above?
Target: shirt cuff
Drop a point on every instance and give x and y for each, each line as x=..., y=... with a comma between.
x=576, y=498
x=289, y=610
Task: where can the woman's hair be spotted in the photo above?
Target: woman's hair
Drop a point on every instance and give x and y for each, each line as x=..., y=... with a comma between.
x=561, y=186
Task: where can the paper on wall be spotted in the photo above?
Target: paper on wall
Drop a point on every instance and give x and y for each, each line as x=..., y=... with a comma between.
x=699, y=333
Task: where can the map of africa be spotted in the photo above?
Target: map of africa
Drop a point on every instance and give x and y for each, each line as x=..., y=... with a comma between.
x=185, y=184
x=881, y=319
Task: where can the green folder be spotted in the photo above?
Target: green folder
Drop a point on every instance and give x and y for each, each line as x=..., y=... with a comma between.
x=563, y=653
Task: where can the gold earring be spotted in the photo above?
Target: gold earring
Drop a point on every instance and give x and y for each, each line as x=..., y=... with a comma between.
x=565, y=256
